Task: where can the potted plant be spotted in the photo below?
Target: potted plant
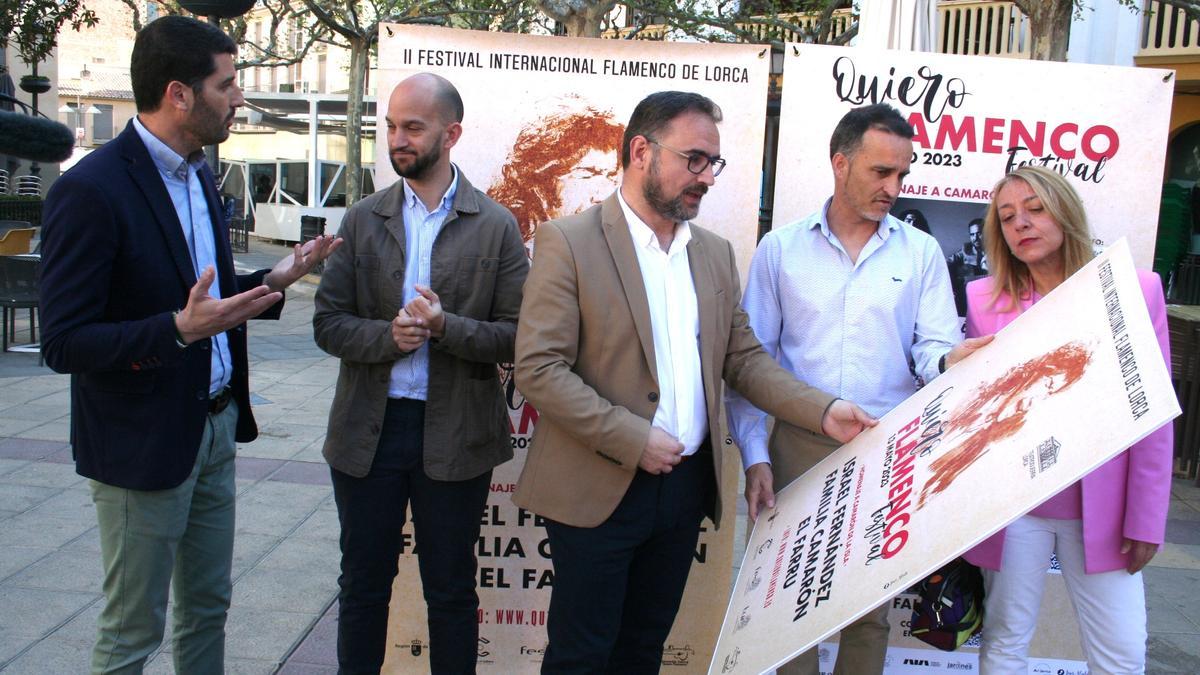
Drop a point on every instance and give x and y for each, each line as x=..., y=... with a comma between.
x=35, y=84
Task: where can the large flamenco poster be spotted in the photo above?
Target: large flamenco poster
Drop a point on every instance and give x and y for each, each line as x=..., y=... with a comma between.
x=542, y=135
x=1072, y=382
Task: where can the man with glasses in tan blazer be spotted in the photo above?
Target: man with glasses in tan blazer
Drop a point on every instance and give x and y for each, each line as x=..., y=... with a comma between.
x=629, y=324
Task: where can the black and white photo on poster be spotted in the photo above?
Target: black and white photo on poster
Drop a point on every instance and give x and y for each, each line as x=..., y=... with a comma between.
x=958, y=229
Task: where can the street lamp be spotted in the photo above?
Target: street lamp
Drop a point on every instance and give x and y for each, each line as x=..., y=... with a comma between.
x=84, y=75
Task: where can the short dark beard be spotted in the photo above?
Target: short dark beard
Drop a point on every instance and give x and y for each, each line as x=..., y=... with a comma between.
x=207, y=124
x=673, y=209
x=420, y=166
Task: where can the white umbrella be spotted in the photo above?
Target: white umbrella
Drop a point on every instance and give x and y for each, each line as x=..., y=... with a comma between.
x=910, y=25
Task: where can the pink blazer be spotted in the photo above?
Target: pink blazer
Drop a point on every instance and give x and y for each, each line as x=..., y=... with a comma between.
x=1125, y=497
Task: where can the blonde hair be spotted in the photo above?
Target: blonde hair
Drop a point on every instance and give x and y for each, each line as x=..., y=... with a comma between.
x=1010, y=276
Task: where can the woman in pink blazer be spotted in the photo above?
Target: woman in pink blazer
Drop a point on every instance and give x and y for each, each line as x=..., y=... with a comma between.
x=1105, y=528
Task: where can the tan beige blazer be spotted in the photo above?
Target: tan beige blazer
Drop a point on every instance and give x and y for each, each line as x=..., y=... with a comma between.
x=585, y=359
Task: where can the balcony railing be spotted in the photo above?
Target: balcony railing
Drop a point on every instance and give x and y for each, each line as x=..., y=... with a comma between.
x=840, y=22
x=651, y=32
x=1167, y=32
x=982, y=29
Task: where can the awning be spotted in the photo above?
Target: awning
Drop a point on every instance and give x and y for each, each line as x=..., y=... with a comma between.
x=301, y=112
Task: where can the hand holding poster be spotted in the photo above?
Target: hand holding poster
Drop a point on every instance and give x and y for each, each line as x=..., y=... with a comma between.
x=1069, y=384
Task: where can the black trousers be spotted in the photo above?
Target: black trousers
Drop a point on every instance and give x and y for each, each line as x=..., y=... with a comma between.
x=617, y=587
x=446, y=519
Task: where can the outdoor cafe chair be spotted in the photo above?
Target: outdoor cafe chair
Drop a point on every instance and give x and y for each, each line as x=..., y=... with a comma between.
x=18, y=290
x=29, y=186
x=6, y=225
x=16, y=241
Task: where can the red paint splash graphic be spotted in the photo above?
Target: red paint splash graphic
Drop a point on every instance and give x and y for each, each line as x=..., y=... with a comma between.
x=997, y=410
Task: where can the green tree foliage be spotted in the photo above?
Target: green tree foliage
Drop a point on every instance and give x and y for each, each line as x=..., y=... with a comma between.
x=32, y=26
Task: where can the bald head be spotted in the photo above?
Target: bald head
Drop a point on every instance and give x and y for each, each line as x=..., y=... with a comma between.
x=439, y=92
x=424, y=121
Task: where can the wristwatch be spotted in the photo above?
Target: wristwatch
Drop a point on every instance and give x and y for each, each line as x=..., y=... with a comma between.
x=178, y=336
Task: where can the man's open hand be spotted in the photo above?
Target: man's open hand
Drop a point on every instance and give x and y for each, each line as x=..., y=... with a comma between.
x=205, y=316
x=290, y=268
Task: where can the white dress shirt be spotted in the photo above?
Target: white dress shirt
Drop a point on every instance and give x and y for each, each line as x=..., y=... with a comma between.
x=675, y=319
x=858, y=330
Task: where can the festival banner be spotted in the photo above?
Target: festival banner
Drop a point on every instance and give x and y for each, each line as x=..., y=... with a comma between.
x=541, y=135
x=977, y=118
x=1069, y=384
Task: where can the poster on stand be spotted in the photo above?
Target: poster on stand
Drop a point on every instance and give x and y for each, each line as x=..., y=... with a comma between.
x=544, y=119
x=977, y=118
x=1070, y=383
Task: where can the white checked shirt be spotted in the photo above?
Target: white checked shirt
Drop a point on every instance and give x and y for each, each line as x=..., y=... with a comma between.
x=675, y=319
x=848, y=328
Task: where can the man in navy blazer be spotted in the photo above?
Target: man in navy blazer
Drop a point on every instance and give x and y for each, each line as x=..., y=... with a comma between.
x=141, y=305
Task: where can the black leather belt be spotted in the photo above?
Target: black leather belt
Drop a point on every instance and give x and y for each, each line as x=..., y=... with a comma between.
x=220, y=401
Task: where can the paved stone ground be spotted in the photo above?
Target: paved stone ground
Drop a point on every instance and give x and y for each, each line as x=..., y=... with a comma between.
x=286, y=553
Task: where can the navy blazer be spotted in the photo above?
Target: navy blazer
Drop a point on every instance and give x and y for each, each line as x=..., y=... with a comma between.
x=115, y=265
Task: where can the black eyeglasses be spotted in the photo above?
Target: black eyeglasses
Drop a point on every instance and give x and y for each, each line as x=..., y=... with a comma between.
x=697, y=161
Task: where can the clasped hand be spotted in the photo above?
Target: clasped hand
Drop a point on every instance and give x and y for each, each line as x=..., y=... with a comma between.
x=419, y=320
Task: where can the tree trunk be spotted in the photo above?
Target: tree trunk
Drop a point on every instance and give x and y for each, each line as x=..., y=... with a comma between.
x=1049, y=29
x=581, y=18
x=581, y=25
x=360, y=59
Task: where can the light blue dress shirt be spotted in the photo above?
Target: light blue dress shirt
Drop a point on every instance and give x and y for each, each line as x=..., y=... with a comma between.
x=182, y=179
x=410, y=375
x=851, y=329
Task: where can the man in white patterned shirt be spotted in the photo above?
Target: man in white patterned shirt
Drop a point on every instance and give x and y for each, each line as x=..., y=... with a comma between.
x=858, y=303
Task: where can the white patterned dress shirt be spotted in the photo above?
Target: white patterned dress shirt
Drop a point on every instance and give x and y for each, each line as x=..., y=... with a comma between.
x=858, y=330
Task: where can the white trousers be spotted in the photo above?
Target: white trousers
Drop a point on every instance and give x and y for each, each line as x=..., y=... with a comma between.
x=1110, y=606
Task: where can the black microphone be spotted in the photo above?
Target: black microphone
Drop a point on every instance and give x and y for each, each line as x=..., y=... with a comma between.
x=35, y=138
